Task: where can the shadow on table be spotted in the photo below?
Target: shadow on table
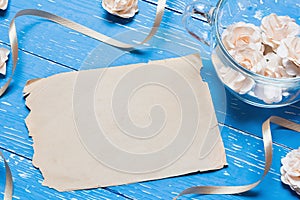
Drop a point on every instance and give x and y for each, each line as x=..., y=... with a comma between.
x=117, y=19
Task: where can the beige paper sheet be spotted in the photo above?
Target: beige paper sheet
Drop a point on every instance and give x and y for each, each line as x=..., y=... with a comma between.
x=126, y=124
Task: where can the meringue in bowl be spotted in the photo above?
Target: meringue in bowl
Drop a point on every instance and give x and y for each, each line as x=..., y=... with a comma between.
x=255, y=48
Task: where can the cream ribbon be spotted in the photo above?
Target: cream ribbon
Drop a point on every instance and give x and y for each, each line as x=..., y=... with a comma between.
x=77, y=27
x=8, y=191
x=267, y=137
x=267, y=140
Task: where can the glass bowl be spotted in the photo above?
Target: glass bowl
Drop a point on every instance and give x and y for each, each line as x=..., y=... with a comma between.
x=252, y=88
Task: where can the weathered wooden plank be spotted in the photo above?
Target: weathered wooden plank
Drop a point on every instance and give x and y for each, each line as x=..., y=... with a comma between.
x=180, y=5
x=68, y=47
x=245, y=165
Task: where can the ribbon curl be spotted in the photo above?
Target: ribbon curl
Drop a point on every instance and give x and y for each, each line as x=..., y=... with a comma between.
x=76, y=27
x=8, y=191
x=267, y=140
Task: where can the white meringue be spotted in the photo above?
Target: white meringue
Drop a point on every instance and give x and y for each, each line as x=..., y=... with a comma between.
x=3, y=58
x=249, y=58
x=3, y=4
x=290, y=48
x=235, y=80
x=291, y=68
x=271, y=50
x=290, y=170
x=121, y=8
x=268, y=93
x=273, y=66
x=242, y=35
x=276, y=28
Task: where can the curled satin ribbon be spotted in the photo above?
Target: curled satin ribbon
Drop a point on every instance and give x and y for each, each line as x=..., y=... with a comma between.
x=267, y=140
x=8, y=191
x=77, y=27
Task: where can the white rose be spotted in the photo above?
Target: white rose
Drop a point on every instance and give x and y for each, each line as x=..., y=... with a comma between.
x=235, y=80
x=291, y=68
x=242, y=35
x=3, y=4
x=3, y=58
x=290, y=48
x=276, y=28
x=268, y=93
x=121, y=8
x=273, y=66
x=249, y=58
x=290, y=170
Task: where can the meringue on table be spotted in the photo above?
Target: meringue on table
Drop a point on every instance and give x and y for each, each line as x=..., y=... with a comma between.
x=3, y=58
x=3, y=4
x=290, y=170
x=121, y=8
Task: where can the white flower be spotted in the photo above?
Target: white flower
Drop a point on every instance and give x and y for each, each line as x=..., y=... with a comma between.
x=242, y=35
x=290, y=170
x=249, y=58
x=290, y=48
x=289, y=51
x=276, y=28
x=235, y=80
x=121, y=8
x=3, y=4
x=273, y=66
x=271, y=50
x=291, y=68
x=3, y=58
x=268, y=93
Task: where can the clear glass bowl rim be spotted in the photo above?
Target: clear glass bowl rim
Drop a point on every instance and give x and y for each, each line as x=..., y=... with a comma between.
x=215, y=24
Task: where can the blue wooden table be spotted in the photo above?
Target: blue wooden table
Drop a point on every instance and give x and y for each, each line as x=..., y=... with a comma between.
x=47, y=48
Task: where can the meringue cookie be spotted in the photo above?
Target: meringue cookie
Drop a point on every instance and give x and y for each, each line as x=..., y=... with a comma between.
x=291, y=68
x=290, y=48
x=268, y=93
x=274, y=66
x=3, y=4
x=242, y=35
x=3, y=58
x=276, y=28
x=249, y=58
x=290, y=170
x=121, y=8
x=235, y=80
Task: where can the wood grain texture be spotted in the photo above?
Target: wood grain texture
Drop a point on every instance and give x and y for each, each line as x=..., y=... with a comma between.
x=47, y=49
x=67, y=47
